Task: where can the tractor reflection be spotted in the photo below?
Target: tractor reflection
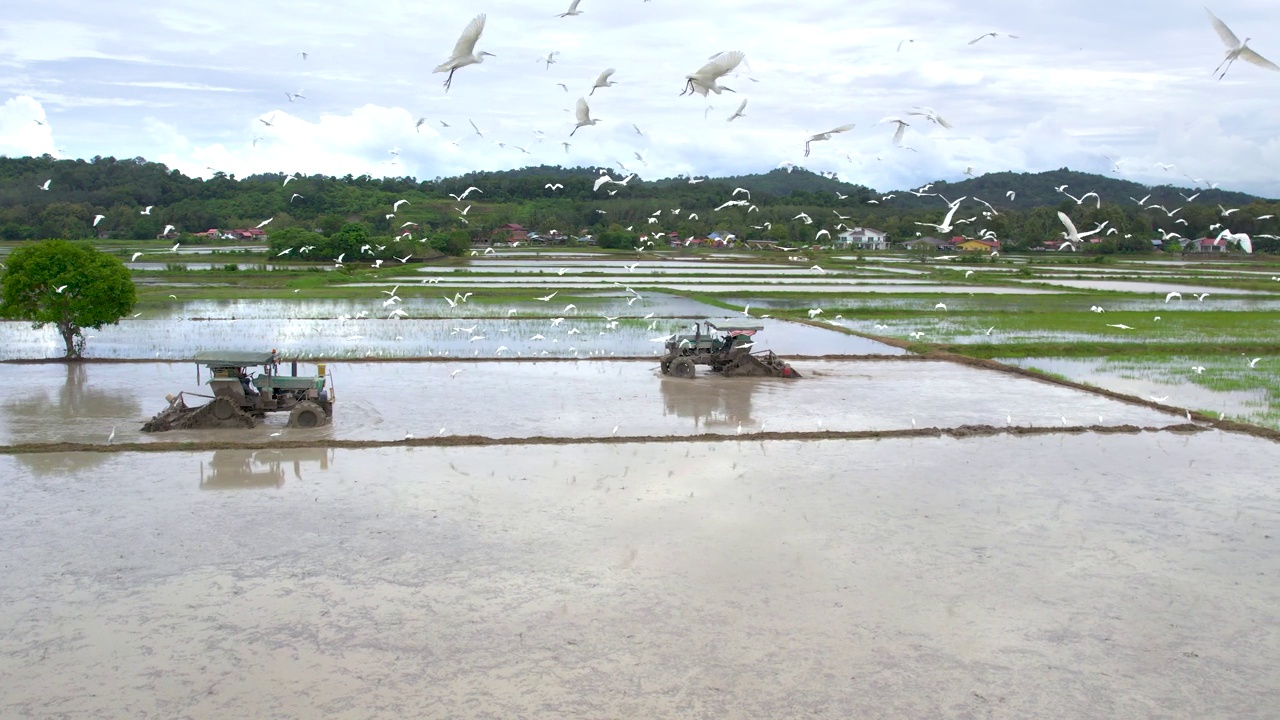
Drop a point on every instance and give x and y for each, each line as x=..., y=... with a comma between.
x=239, y=469
x=712, y=402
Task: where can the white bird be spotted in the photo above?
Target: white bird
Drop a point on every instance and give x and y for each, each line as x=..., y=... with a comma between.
x=1200, y=296
x=739, y=112
x=930, y=114
x=167, y=229
x=463, y=195
x=264, y=222
x=603, y=80
x=1122, y=326
x=295, y=197
x=146, y=210
x=112, y=437
x=706, y=79
x=547, y=298
x=135, y=257
x=902, y=128
x=583, y=114
x=573, y=9
x=59, y=289
x=825, y=136
x=1172, y=295
x=946, y=225
x=991, y=34
x=1254, y=362
x=1198, y=369
x=97, y=219
x=395, y=206
x=464, y=53
x=940, y=306
x=45, y=185
x=1236, y=50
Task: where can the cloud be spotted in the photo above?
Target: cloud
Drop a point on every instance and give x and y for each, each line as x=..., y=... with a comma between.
x=21, y=128
x=1085, y=79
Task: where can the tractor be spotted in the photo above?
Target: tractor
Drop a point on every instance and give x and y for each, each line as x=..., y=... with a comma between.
x=240, y=399
x=725, y=349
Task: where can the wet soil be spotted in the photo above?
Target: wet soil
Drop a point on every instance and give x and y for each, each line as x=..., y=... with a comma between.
x=1012, y=576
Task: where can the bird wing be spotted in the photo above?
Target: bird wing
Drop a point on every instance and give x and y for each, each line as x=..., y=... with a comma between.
x=574, y=5
x=583, y=111
x=897, y=136
x=1254, y=58
x=979, y=38
x=942, y=122
x=470, y=35
x=604, y=76
x=720, y=65
x=842, y=128
x=946, y=222
x=1228, y=38
x=1071, y=227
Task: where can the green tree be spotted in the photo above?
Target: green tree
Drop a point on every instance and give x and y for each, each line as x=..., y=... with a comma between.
x=70, y=285
x=457, y=243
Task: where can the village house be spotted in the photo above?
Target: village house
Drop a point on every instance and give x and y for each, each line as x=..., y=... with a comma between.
x=976, y=245
x=511, y=233
x=936, y=244
x=860, y=238
x=1209, y=245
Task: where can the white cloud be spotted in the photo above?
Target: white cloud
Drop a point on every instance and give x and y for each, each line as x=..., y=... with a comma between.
x=24, y=128
x=1085, y=79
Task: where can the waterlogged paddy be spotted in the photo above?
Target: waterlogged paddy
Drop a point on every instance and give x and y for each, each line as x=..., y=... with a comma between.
x=1160, y=288
x=386, y=401
x=1066, y=577
x=1225, y=384
x=349, y=335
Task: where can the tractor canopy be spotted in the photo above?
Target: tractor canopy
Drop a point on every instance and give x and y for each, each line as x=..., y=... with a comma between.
x=735, y=330
x=222, y=359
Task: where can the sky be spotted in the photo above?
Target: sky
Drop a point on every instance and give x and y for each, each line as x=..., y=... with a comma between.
x=1083, y=84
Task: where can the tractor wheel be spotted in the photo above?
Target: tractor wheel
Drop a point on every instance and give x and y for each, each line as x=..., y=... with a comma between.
x=683, y=367
x=223, y=409
x=307, y=415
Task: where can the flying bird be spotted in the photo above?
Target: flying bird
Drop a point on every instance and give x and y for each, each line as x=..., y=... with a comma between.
x=931, y=115
x=464, y=53
x=706, y=79
x=825, y=136
x=738, y=113
x=573, y=9
x=97, y=219
x=603, y=80
x=146, y=210
x=583, y=113
x=45, y=185
x=1236, y=50
x=902, y=128
x=991, y=34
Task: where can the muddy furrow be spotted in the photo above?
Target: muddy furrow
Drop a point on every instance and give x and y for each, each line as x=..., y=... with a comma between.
x=961, y=432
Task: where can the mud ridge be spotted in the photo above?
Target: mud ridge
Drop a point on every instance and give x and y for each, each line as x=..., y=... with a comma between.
x=961, y=432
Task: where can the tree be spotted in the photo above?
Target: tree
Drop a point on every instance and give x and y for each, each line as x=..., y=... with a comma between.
x=67, y=284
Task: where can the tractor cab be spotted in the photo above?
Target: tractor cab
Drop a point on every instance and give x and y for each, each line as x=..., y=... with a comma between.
x=723, y=348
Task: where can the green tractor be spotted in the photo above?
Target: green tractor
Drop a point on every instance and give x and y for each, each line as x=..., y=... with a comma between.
x=726, y=349
x=240, y=398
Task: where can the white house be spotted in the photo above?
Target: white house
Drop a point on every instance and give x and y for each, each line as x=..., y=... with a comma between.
x=863, y=239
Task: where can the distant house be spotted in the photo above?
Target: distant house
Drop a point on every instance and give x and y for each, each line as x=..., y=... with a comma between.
x=1210, y=245
x=512, y=233
x=246, y=234
x=978, y=246
x=932, y=242
x=861, y=238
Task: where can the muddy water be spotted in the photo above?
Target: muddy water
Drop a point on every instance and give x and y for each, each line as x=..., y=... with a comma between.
x=386, y=401
x=1047, y=577
x=582, y=332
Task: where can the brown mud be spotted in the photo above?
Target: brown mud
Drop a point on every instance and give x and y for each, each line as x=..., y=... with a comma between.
x=964, y=431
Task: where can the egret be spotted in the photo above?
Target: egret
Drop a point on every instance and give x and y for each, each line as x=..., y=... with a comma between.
x=45, y=185
x=1200, y=296
x=707, y=77
x=902, y=128
x=112, y=437
x=738, y=113
x=1235, y=49
x=940, y=306
x=825, y=136
x=603, y=80
x=464, y=53
x=1172, y=295
x=547, y=298
x=583, y=113
x=1121, y=326
x=573, y=9
x=930, y=114
x=1254, y=362
x=992, y=34
x=97, y=219
x=146, y=210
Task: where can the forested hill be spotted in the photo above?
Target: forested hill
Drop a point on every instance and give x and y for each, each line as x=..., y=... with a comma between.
x=1033, y=190
x=43, y=197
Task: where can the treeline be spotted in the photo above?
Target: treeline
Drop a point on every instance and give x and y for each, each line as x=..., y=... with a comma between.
x=311, y=211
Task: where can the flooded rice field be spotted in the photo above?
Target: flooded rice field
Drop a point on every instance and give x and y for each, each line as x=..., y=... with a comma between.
x=1226, y=385
x=1159, y=288
x=1023, y=577
x=82, y=403
x=368, y=333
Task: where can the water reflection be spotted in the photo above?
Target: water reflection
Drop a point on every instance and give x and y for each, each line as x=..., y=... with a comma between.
x=713, y=403
x=239, y=469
